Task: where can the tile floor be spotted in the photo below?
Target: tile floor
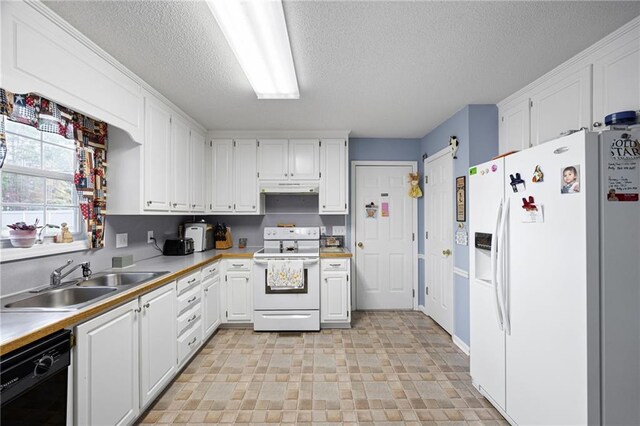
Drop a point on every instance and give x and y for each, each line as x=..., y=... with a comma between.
x=390, y=368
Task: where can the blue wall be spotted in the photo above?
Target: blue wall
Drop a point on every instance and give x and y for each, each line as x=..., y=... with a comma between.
x=476, y=127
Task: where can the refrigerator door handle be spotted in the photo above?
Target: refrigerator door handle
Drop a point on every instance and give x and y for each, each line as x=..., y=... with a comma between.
x=494, y=269
x=502, y=269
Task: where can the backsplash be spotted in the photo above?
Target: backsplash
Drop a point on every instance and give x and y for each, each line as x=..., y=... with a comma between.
x=21, y=275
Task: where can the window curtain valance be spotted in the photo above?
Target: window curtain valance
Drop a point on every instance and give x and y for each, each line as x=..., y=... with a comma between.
x=90, y=138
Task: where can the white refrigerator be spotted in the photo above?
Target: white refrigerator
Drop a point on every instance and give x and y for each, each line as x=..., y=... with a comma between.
x=555, y=281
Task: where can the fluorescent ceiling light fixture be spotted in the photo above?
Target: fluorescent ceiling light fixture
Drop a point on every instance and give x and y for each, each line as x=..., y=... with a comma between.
x=257, y=33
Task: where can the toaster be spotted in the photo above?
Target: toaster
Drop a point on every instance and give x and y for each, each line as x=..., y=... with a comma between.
x=177, y=246
x=202, y=234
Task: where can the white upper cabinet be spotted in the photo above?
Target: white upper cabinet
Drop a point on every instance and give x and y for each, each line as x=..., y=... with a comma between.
x=156, y=155
x=198, y=164
x=514, y=126
x=563, y=105
x=334, y=182
x=304, y=159
x=282, y=159
x=221, y=176
x=180, y=165
x=273, y=159
x=244, y=171
x=602, y=79
x=616, y=78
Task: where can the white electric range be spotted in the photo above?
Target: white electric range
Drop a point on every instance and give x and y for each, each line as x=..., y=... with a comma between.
x=284, y=308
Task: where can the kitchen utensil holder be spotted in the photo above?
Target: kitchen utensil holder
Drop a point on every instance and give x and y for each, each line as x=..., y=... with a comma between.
x=227, y=243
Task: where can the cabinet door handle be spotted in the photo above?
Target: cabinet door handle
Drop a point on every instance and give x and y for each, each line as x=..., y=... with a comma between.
x=335, y=265
x=192, y=280
x=137, y=310
x=146, y=305
x=175, y=204
x=291, y=174
x=285, y=175
x=191, y=319
x=192, y=299
x=206, y=290
x=192, y=342
x=149, y=203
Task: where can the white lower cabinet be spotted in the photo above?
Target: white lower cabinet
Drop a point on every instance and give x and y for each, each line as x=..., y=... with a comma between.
x=239, y=292
x=335, y=292
x=189, y=316
x=211, y=305
x=157, y=351
x=107, y=361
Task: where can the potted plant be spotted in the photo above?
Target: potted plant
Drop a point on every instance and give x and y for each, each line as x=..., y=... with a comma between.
x=23, y=235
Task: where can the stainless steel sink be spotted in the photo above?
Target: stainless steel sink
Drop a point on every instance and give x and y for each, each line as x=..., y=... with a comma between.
x=78, y=293
x=117, y=279
x=63, y=299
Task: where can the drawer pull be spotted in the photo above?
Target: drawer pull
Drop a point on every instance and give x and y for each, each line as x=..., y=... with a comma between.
x=192, y=299
x=146, y=305
x=191, y=319
x=191, y=281
x=335, y=265
x=237, y=265
x=193, y=341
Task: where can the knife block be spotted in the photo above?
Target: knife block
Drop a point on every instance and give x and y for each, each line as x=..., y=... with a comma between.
x=227, y=243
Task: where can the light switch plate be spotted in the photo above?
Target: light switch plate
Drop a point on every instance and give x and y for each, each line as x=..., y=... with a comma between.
x=149, y=237
x=339, y=230
x=122, y=240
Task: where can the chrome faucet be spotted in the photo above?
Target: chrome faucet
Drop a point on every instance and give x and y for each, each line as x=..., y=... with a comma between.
x=57, y=275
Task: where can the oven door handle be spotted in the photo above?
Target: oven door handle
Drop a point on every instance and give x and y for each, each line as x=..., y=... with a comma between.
x=304, y=262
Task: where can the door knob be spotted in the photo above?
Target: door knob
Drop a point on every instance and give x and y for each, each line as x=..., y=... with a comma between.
x=446, y=252
x=360, y=245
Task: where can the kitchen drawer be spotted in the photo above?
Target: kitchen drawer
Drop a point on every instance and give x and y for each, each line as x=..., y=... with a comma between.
x=210, y=270
x=335, y=265
x=189, y=299
x=189, y=342
x=238, y=264
x=189, y=318
x=188, y=281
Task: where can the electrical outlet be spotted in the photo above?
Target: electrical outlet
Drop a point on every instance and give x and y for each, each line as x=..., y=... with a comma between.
x=323, y=230
x=122, y=240
x=149, y=237
x=339, y=230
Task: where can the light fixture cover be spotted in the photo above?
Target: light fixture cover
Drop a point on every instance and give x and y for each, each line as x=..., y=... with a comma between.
x=257, y=33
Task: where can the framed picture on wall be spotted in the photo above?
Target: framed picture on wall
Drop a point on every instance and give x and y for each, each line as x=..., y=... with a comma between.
x=461, y=205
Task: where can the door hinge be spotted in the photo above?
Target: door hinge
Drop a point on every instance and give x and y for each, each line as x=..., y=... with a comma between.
x=426, y=179
x=345, y=206
x=320, y=174
x=426, y=235
x=170, y=120
x=427, y=290
x=347, y=314
x=258, y=173
x=345, y=143
x=531, y=104
x=502, y=118
x=226, y=314
x=234, y=143
x=413, y=236
x=225, y=278
x=413, y=293
x=319, y=143
x=211, y=144
x=347, y=278
x=72, y=340
x=258, y=142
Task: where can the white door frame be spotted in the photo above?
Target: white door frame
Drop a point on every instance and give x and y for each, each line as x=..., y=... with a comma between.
x=430, y=158
x=414, y=227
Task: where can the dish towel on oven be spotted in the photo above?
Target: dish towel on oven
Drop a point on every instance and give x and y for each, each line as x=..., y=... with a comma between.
x=285, y=274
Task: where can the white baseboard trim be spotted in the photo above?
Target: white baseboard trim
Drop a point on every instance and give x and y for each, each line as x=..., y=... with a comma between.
x=459, y=343
x=422, y=309
x=461, y=272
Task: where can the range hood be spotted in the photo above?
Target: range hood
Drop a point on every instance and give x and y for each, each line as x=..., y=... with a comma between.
x=290, y=188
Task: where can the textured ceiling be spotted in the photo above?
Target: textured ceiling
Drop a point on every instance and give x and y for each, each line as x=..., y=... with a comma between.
x=381, y=69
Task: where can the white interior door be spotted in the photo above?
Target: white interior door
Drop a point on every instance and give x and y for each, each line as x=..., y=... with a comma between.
x=384, y=253
x=438, y=219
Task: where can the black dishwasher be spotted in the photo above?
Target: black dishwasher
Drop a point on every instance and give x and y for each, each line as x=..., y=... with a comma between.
x=33, y=382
